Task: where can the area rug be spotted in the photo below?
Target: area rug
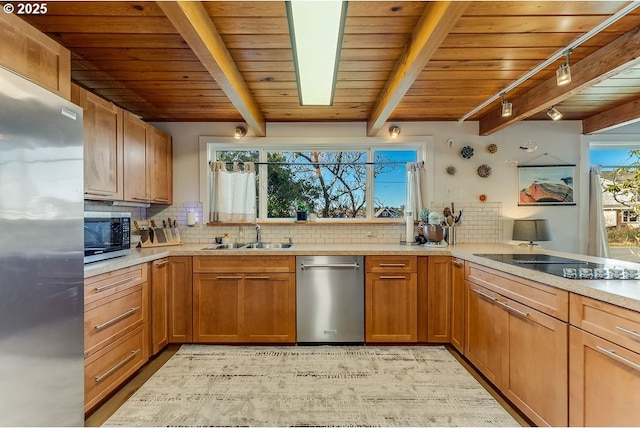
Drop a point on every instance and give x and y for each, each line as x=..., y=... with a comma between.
x=203, y=385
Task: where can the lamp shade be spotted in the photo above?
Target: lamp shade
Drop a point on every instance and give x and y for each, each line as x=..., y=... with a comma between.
x=531, y=230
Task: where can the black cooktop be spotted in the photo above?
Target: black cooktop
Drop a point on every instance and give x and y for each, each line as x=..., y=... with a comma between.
x=553, y=265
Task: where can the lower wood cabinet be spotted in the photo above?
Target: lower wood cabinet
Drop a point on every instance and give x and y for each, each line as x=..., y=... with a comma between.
x=457, y=304
x=180, y=318
x=116, y=329
x=439, y=299
x=391, y=299
x=235, y=305
x=521, y=350
x=604, y=361
x=159, y=305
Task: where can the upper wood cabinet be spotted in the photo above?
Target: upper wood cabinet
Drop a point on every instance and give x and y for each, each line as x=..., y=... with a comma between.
x=148, y=162
x=29, y=52
x=103, y=147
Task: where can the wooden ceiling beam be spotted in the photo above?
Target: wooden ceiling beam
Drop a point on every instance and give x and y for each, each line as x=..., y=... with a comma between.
x=433, y=26
x=194, y=24
x=624, y=114
x=600, y=65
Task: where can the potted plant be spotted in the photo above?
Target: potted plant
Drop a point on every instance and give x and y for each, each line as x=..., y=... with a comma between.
x=302, y=212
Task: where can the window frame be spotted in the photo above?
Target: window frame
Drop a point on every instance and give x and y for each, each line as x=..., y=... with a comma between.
x=422, y=144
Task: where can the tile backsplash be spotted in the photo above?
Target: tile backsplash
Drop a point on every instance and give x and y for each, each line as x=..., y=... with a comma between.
x=481, y=222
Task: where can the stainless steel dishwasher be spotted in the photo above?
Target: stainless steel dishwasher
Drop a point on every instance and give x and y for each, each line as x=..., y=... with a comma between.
x=330, y=299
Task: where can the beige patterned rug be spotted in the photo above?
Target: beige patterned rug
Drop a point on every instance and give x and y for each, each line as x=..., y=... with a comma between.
x=204, y=385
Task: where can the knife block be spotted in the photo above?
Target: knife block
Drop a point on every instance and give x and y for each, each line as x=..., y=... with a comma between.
x=159, y=237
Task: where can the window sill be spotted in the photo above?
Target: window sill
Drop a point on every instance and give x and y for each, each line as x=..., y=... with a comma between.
x=312, y=223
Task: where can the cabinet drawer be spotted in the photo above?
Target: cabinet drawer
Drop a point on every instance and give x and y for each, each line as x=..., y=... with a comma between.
x=107, y=369
x=391, y=263
x=552, y=301
x=112, y=283
x=103, y=323
x=618, y=325
x=244, y=264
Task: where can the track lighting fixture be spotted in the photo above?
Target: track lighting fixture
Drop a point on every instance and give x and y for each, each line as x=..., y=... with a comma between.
x=394, y=131
x=554, y=114
x=507, y=107
x=239, y=132
x=563, y=74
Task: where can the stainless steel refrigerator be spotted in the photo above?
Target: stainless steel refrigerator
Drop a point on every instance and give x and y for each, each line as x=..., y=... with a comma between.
x=41, y=257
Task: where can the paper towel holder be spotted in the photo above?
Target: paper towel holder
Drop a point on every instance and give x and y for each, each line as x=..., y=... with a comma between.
x=191, y=219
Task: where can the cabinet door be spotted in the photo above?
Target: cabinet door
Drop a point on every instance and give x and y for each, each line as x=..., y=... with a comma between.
x=180, y=300
x=484, y=338
x=33, y=54
x=103, y=147
x=135, y=159
x=457, y=304
x=391, y=307
x=159, y=164
x=604, y=381
x=269, y=308
x=217, y=308
x=439, y=299
x=159, y=305
x=534, y=364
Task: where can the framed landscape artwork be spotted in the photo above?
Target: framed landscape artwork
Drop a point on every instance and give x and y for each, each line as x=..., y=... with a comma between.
x=546, y=185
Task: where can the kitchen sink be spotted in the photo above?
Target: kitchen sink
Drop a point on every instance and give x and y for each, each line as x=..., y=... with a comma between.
x=250, y=246
x=269, y=245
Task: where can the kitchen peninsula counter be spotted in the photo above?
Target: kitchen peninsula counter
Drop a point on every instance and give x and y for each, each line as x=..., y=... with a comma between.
x=624, y=293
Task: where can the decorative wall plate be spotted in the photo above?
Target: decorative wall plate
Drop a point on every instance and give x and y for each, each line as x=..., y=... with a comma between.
x=467, y=152
x=484, y=170
x=492, y=148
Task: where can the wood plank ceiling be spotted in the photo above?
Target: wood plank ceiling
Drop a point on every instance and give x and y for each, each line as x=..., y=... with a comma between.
x=400, y=61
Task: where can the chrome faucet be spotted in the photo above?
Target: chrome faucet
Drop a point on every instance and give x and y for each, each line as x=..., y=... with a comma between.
x=258, y=233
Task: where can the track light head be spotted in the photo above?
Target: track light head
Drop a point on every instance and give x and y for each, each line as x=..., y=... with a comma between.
x=507, y=107
x=563, y=73
x=239, y=132
x=394, y=131
x=554, y=114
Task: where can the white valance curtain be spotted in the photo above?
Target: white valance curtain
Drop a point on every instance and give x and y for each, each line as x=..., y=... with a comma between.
x=598, y=244
x=414, y=190
x=233, y=193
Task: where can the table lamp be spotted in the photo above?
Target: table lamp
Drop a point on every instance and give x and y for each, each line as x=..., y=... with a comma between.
x=531, y=230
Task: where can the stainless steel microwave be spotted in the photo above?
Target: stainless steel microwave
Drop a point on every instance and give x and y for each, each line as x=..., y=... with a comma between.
x=106, y=235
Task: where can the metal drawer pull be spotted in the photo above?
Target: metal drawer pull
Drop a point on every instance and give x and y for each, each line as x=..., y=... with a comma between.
x=140, y=199
x=115, y=284
x=117, y=366
x=457, y=264
x=486, y=296
x=257, y=277
x=393, y=277
x=160, y=200
x=613, y=354
x=631, y=332
x=330, y=265
x=228, y=277
x=159, y=264
x=98, y=193
x=118, y=318
x=392, y=264
x=512, y=309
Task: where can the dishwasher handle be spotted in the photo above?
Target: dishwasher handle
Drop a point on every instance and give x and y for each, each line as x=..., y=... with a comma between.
x=330, y=265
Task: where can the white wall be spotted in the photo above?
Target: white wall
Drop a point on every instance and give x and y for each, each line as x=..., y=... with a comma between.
x=561, y=140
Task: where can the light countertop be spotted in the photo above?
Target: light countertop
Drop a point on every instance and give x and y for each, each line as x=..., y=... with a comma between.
x=625, y=293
